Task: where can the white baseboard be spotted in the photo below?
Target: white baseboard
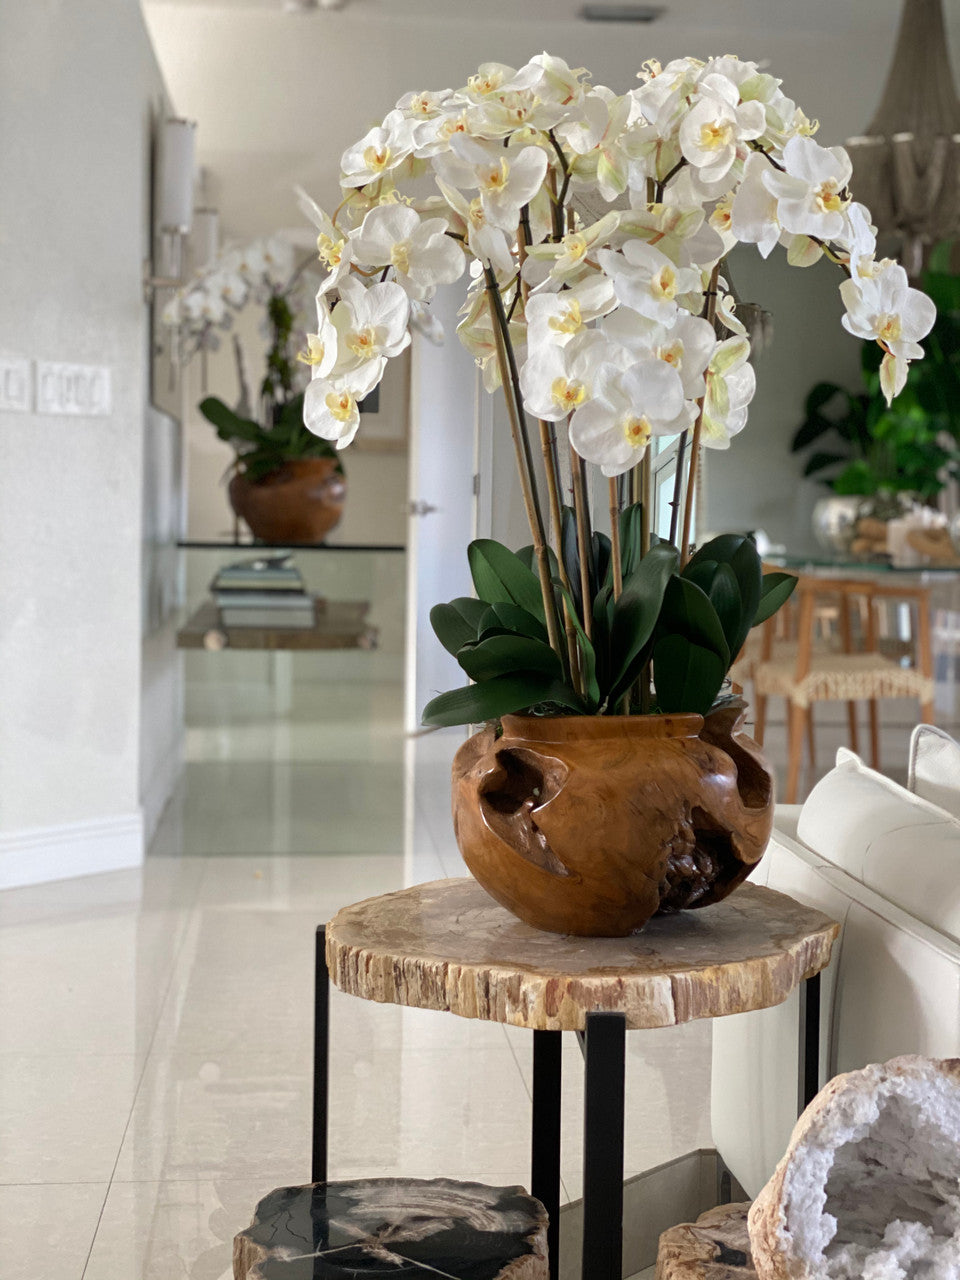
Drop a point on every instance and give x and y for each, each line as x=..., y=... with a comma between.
x=40, y=854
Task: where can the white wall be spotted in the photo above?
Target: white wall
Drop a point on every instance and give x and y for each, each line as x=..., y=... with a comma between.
x=77, y=85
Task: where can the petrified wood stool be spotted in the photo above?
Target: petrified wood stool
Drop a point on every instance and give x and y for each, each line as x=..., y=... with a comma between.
x=404, y=1228
x=448, y=946
x=715, y=1247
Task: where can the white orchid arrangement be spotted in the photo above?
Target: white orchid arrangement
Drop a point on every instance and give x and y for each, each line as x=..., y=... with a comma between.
x=619, y=325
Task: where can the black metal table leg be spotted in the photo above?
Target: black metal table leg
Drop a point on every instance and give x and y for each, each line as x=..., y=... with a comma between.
x=809, y=1083
x=321, y=1059
x=545, y=1135
x=605, y=1044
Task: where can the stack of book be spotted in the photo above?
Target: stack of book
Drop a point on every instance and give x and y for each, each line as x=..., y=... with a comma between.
x=266, y=592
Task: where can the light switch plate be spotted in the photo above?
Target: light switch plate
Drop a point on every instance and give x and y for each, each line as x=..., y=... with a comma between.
x=77, y=390
x=15, y=384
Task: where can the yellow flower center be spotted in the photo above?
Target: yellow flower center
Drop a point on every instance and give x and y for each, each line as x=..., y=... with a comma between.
x=422, y=104
x=575, y=245
x=568, y=395
x=363, y=343
x=672, y=355
x=475, y=213
x=496, y=179
x=341, y=405
x=828, y=198
x=330, y=251
x=453, y=124
x=400, y=256
x=314, y=351
x=716, y=134
x=569, y=320
x=376, y=158
x=637, y=432
x=664, y=284
x=722, y=215
x=889, y=327
x=485, y=84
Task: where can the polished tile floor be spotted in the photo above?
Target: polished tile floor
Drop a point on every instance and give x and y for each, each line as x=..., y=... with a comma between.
x=155, y=1025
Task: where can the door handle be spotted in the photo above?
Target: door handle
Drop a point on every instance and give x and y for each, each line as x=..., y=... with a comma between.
x=421, y=508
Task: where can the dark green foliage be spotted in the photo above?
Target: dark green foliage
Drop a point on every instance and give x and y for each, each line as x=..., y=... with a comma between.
x=689, y=623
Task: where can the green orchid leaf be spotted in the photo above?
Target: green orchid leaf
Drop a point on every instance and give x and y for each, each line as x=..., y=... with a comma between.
x=230, y=426
x=528, y=557
x=739, y=551
x=631, y=537
x=600, y=566
x=500, y=575
x=687, y=611
x=510, y=617
x=458, y=622
x=505, y=654
x=719, y=583
x=687, y=676
x=776, y=590
x=635, y=614
x=499, y=697
x=571, y=555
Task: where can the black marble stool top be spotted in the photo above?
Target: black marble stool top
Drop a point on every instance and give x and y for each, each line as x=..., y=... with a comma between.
x=401, y=1227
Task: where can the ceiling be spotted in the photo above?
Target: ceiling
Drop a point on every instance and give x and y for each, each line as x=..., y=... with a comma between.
x=278, y=96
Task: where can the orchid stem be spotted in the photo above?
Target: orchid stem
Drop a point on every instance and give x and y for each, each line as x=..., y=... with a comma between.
x=521, y=443
x=615, y=540
x=710, y=315
x=582, y=515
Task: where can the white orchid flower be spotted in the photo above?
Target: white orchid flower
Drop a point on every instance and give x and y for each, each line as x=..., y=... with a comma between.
x=331, y=405
x=421, y=252
x=716, y=125
x=230, y=285
x=506, y=178
x=559, y=317
x=568, y=258
x=811, y=194
x=556, y=81
x=476, y=334
x=424, y=105
x=322, y=346
x=557, y=380
x=379, y=151
x=884, y=307
x=628, y=408
x=731, y=383
x=687, y=345
x=205, y=306
x=677, y=230
x=371, y=323
x=424, y=322
x=753, y=216
x=485, y=242
x=494, y=78
x=646, y=280
x=858, y=236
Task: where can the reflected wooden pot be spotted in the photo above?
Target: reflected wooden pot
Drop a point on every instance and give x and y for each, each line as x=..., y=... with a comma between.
x=299, y=502
x=592, y=824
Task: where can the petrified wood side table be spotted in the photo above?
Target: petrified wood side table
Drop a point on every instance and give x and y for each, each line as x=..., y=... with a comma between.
x=447, y=945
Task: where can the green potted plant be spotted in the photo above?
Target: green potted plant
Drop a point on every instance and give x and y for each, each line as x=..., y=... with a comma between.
x=286, y=483
x=612, y=779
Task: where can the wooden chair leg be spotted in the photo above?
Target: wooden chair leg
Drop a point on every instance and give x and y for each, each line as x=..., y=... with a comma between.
x=852, y=726
x=874, y=735
x=811, y=745
x=798, y=724
x=760, y=723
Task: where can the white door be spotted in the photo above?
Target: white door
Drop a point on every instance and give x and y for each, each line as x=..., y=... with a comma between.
x=444, y=390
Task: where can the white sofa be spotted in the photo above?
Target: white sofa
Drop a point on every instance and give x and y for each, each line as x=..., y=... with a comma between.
x=885, y=862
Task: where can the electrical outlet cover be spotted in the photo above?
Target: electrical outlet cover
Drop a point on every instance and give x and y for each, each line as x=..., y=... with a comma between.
x=76, y=390
x=15, y=384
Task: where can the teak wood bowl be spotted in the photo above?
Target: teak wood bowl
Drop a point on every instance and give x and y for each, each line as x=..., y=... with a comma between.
x=299, y=502
x=592, y=824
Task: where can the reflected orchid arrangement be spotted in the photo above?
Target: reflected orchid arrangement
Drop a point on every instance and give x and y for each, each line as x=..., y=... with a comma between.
x=619, y=325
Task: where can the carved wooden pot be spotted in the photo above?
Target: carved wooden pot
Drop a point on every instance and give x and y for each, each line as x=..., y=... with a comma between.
x=299, y=502
x=592, y=824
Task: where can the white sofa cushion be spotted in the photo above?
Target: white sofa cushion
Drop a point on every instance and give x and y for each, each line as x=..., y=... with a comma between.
x=899, y=844
x=934, y=772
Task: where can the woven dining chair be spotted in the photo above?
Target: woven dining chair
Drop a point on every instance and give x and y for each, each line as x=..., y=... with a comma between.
x=805, y=672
